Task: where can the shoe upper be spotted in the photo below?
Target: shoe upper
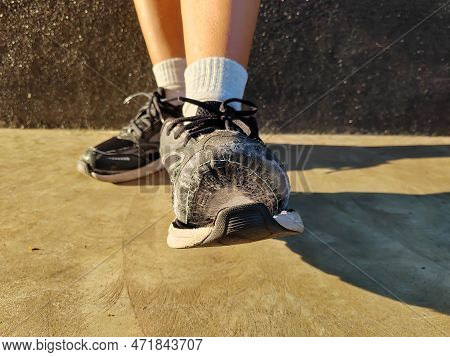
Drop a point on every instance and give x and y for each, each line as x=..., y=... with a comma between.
x=137, y=144
x=216, y=159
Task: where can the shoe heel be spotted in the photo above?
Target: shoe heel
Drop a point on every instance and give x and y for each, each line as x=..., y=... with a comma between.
x=244, y=224
x=237, y=225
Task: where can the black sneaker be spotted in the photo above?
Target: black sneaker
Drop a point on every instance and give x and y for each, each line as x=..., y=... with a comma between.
x=228, y=187
x=134, y=153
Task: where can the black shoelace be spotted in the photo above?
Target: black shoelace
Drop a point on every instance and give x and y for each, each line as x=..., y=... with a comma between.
x=149, y=114
x=215, y=117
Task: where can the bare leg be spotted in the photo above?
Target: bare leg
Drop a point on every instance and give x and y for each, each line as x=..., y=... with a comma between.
x=219, y=28
x=160, y=22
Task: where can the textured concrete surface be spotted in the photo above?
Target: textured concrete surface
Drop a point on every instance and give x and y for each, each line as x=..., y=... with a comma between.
x=71, y=63
x=81, y=257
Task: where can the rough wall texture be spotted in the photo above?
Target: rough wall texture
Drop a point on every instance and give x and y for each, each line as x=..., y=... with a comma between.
x=70, y=64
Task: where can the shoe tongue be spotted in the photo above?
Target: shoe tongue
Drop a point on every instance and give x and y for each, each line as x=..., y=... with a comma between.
x=204, y=111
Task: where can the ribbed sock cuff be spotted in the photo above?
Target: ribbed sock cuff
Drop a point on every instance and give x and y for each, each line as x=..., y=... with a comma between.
x=169, y=74
x=213, y=78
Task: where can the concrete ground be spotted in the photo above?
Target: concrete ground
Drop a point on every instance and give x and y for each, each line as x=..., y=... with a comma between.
x=80, y=257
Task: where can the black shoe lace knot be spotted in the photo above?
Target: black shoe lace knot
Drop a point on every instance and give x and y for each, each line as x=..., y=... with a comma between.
x=216, y=115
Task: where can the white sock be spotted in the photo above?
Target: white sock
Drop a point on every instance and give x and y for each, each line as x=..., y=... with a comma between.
x=214, y=78
x=169, y=74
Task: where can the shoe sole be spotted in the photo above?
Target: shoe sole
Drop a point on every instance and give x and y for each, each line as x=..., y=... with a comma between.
x=126, y=176
x=236, y=225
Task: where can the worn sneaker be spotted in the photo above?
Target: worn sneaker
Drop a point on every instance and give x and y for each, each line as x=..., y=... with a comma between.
x=133, y=153
x=228, y=187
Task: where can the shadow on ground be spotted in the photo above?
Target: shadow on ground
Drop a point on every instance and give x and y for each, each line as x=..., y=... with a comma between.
x=307, y=157
x=394, y=245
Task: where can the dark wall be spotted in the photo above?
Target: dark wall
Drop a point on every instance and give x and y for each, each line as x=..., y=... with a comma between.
x=70, y=64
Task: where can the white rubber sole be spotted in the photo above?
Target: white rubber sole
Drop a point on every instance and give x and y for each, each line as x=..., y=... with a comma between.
x=125, y=176
x=236, y=225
